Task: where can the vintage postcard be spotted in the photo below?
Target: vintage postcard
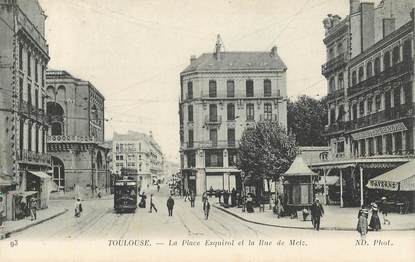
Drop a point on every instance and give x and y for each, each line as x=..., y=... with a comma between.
x=222, y=130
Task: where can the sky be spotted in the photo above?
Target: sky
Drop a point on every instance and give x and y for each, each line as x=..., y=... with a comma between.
x=133, y=51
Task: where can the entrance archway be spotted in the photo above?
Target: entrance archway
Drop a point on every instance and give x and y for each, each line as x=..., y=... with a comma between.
x=56, y=113
x=58, y=169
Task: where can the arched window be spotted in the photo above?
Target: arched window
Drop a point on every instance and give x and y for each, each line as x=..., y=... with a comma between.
x=369, y=72
x=58, y=169
x=407, y=50
x=395, y=55
x=55, y=115
x=354, y=78
x=386, y=61
x=340, y=81
x=56, y=129
x=377, y=65
x=361, y=74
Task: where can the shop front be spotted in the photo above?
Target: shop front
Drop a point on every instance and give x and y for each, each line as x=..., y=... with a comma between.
x=397, y=186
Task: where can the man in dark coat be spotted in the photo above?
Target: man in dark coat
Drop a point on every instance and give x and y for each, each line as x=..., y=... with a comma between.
x=170, y=204
x=233, y=197
x=317, y=212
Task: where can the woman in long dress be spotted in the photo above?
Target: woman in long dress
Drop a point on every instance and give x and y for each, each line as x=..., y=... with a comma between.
x=362, y=223
x=374, y=220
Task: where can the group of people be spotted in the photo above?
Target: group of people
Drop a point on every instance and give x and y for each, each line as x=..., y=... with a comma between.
x=28, y=208
x=374, y=223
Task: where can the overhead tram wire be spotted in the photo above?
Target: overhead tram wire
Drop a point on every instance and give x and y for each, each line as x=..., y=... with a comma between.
x=289, y=22
x=149, y=24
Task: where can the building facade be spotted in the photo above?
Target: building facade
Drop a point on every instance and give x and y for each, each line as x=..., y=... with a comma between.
x=370, y=76
x=141, y=152
x=24, y=56
x=222, y=93
x=75, y=110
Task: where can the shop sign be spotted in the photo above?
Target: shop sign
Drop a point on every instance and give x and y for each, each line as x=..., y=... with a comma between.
x=387, y=185
x=384, y=130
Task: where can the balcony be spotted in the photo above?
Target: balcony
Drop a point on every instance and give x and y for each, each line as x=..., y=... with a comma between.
x=268, y=117
x=210, y=144
x=335, y=127
x=334, y=64
x=395, y=71
x=213, y=121
x=395, y=113
x=335, y=94
x=31, y=157
x=70, y=139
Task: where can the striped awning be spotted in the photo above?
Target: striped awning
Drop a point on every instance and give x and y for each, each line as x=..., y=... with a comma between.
x=384, y=130
x=401, y=178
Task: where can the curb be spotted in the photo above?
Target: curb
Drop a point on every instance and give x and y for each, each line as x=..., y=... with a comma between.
x=7, y=234
x=303, y=228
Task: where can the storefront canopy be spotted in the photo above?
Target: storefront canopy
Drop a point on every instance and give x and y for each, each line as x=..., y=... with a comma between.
x=401, y=178
x=299, y=168
x=40, y=174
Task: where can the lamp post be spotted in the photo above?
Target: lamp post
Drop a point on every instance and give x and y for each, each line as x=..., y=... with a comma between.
x=243, y=191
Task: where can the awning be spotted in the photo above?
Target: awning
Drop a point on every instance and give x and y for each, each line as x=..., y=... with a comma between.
x=401, y=178
x=6, y=180
x=40, y=174
x=330, y=180
x=384, y=130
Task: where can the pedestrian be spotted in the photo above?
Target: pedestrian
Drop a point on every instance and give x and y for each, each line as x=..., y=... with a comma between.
x=233, y=197
x=204, y=196
x=384, y=210
x=33, y=208
x=158, y=187
x=211, y=191
x=249, y=204
x=374, y=219
x=277, y=207
x=152, y=204
x=206, y=208
x=225, y=198
x=362, y=223
x=1, y=211
x=23, y=208
x=185, y=195
x=142, y=203
x=192, y=199
x=170, y=205
x=78, y=207
x=317, y=212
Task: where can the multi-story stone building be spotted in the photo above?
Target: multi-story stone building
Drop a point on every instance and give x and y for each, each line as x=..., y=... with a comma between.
x=75, y=110
x=141, y=152
x=370, y=74
x=24, y=56
x=222, y=93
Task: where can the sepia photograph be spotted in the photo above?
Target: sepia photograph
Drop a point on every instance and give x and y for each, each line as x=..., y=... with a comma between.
x=221, y=130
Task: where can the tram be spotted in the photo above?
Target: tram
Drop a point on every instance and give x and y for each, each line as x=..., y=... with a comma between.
x=125, y=195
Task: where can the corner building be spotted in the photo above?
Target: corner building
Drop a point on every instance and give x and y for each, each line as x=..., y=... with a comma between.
x=370, y=77
x=75, y=110
x=222, y=93
x=24, y=55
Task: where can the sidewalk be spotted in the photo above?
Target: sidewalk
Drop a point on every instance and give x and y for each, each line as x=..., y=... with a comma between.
x=335, y=218
x=9, y=227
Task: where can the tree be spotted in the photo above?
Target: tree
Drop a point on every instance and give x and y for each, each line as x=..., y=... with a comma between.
x=306, y=119
x=265, y=152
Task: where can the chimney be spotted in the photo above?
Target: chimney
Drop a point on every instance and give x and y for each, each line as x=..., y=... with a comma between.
x=151, y=134
x=388, y=26
x=192, y=59
x=274, y=50
x=367, y=16
x=354, y=6
x=218, y=47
